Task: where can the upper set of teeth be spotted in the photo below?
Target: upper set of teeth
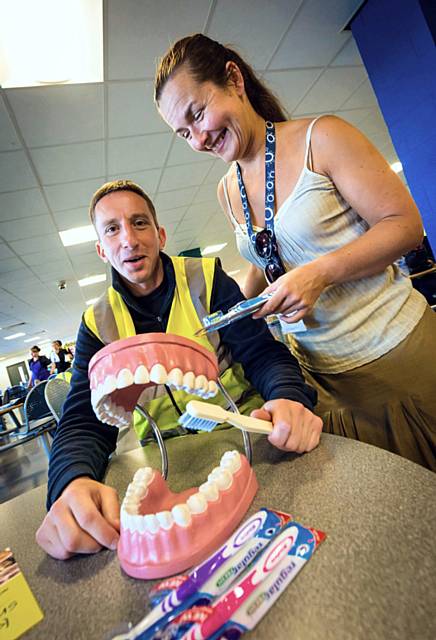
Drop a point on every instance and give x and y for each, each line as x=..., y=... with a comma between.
x=219, y=479
x=198, y=385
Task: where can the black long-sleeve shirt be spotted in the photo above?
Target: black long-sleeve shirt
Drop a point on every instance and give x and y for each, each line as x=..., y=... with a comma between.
x=82, y=444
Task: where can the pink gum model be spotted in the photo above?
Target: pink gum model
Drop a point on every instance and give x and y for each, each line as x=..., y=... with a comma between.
x=167, y=551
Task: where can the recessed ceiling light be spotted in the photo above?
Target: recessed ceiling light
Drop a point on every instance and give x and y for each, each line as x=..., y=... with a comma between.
x=213, y=248
x=397, y=167
x=233, y=273
x=91, y=301
x=34, y=339
x=78, y=235
x=13, y=335
x=39, y=42
x=84, y=282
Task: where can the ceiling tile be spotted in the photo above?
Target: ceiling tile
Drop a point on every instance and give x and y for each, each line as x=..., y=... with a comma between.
x=314, y=38
x=22, y=204
x=172, y=199
x=10, y=264
x=363, y=97
x=8, y=137
x=72, y=218
x=333, y=89
x=42, y=112
x=354, y=116
x=41, y=257
x=137, y=153
x=348, y=55
x=43, y=243
x=263, y=23
x=181, y=152
x=206, y=193
x=69, y=162
x=67, y=196
x=216, y=173
x=15, y=171
x=148, y=180
x=5, y=252
x=291, y=86
x=171, y=217
x=28, y=228
x=135, y=101
x=140, y=30
x=186, y=175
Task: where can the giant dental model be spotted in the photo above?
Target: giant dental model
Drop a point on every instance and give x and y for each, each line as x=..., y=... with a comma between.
x=162, y=532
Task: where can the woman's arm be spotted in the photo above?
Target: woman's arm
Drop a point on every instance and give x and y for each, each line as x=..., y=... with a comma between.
x=254, y=283
x=366, y=181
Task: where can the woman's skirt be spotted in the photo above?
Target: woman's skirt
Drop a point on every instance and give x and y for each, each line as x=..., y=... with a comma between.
x=390, y=402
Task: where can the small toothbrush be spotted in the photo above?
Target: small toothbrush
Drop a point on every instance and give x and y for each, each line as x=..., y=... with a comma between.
x=204, y=416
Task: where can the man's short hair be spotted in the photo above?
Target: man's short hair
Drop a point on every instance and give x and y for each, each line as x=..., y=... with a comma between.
x=120, y=185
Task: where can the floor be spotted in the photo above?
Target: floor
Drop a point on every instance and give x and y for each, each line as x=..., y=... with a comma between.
x=25, y=467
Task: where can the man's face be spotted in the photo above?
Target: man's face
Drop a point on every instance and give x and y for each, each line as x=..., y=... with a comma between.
x=34, y=354
x=129, y=240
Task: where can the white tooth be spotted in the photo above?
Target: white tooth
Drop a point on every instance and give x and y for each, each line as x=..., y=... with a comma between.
x=151, y=523
x=181, y=515
x=125, y=519
x=135, y=490
x=141, y=375
x=201, y=383
x=231, y=460
x=197, y=503
x=189, y=381
x=158, y=374
x=94, y=398
x=138, y=523
x=124, y=379
x=175, y=377
x=222, y=477
x=165, y=519
x=212, y=388
x=109, y=385
x=143, y=476
x=210, y=491
x=131, y=506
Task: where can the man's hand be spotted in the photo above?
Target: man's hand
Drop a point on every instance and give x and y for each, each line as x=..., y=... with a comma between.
x=295, y=428
x=84, y=519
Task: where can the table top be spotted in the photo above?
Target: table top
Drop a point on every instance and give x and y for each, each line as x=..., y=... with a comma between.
x=7, y=408
x=374, y=576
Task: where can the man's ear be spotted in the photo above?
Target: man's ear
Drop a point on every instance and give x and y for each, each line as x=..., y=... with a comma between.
x=100, y=251
x=235, y=77
x=162, y=238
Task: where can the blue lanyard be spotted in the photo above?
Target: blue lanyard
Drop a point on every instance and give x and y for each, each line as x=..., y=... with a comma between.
x=270, y=156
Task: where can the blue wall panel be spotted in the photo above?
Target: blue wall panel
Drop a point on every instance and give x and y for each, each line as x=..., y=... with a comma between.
x=397, y=46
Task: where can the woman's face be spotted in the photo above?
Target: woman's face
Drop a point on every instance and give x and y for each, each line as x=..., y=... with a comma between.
x=208, y=117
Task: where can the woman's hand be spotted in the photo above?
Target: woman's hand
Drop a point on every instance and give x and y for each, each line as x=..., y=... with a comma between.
x=295, y=293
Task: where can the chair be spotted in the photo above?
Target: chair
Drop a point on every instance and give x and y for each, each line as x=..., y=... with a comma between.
x=38, y=421
x=55, y=393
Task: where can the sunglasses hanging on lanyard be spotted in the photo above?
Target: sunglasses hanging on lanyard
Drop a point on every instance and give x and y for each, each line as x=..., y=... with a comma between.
x=264, y=242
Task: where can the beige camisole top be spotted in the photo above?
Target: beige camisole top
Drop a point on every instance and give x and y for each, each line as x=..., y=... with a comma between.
x=352, y=323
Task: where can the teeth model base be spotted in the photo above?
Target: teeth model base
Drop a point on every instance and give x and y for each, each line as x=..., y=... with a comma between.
x=164, y=533
x=120, y=372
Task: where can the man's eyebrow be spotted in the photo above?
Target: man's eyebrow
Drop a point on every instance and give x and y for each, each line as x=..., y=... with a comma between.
x=187, y=115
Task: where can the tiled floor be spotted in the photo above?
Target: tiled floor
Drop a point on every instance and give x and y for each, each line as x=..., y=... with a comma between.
x=25, y=467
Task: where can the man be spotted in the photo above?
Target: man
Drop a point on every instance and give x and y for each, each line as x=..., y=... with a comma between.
x=38, y=366
x=84, y=513
x=59, y=357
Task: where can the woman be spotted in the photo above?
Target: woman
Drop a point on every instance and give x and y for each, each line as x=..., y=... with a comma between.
x=319, y=213
x=60, y=357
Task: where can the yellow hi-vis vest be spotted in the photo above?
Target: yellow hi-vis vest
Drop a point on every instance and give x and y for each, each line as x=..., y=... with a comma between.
x=109, y=319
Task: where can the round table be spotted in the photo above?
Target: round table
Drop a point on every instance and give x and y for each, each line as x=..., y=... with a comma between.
x=374, y=576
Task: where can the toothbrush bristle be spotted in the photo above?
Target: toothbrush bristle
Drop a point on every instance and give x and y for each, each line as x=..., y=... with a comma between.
x=196, y=424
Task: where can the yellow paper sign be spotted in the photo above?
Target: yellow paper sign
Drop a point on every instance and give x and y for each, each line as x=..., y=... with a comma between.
x=18, y=608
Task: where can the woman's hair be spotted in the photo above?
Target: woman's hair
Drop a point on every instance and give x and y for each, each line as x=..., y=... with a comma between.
x=206, y=60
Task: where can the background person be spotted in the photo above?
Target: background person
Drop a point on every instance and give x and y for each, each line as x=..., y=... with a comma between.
x=60, y=357
x=39, y=366
x=318, y=211
x=155, y=293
